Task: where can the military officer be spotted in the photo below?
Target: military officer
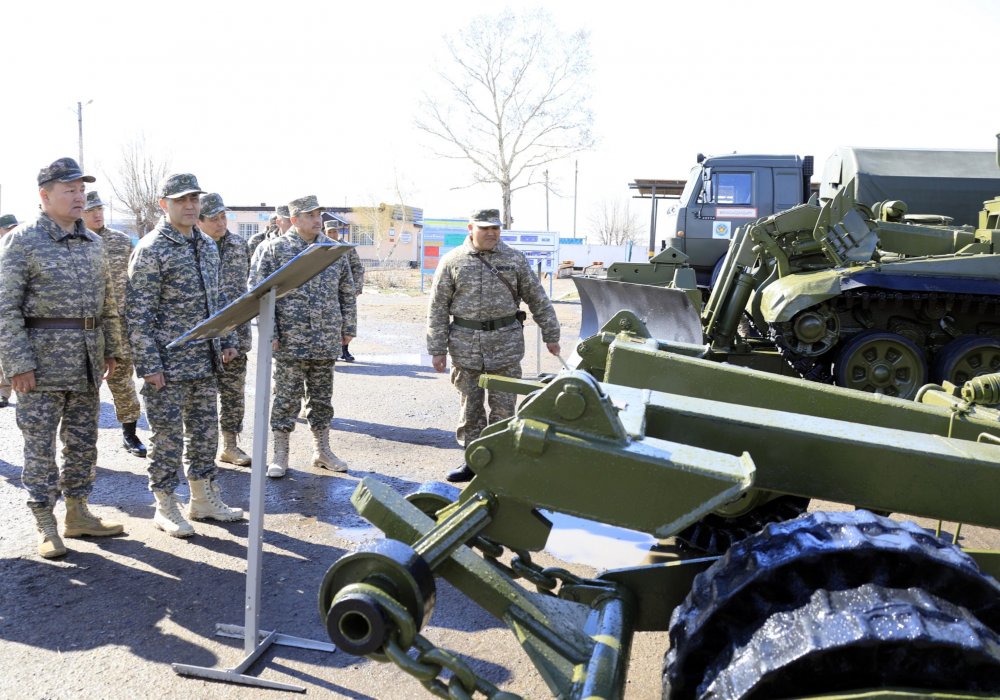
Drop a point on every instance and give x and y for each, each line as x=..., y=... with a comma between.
x=278, y=224
x=118, y=248
x=7, y=224
x=331, y=229
x=59, y=335
x=173, y=284
x=233, y=273
x=311, y=325
x=474, y=315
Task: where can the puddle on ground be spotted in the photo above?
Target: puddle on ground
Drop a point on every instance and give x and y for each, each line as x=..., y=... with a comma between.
x=598, y=545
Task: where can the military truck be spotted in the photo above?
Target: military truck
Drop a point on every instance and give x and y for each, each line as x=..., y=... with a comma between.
x=725, y=192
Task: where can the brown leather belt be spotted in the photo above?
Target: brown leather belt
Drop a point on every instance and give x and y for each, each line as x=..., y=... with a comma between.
x=88, y=323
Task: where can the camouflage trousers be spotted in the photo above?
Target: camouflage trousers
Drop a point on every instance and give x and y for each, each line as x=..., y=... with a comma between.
x=472, y=413
x=232, y=401
x=4, y=386
x=123, y=391
x=40, y=414
x=294, y=377
x=184, y=423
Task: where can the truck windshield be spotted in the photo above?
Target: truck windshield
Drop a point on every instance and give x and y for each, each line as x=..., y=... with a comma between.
x=693, y=181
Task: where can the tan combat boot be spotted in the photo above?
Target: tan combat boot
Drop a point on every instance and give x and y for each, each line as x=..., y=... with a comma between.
x=206, y=502
x=231, y=452
x=168, y=516
x=322, y=454
x=279, y=463
x=50, y=545
x=80, y=521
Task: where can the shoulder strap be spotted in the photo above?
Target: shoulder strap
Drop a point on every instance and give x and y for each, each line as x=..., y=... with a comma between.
x=496, y=273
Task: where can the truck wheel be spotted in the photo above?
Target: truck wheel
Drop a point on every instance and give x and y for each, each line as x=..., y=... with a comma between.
x=881, y=362
x=861, y=638
x=715, y=533
x=781, y=569
x=965, y=358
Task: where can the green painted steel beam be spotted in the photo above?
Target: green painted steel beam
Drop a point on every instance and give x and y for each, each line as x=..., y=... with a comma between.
x=573, y=449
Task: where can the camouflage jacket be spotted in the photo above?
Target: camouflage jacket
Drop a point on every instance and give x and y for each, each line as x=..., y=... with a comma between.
x=233, y=279
x=357, y=269
x=309, y=321
x=43, y=273
x=255, y=240
x=173, y=285
x=466, y=288
x=118, y=248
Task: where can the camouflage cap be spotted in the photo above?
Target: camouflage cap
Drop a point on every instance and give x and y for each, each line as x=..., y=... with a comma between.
x=331, y=224
x=63, y=170
x=302, y=204
x=282, y=211
x=93, y=201
x=8, y=220
x=211, y=204
x=178, y=185
x=486, y=217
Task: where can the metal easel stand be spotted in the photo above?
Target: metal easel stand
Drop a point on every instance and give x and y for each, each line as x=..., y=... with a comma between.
x=255, y=640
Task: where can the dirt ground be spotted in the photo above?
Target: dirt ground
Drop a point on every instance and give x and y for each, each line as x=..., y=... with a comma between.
x=109, y=619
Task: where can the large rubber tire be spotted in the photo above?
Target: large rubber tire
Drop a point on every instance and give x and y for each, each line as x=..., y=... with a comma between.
x=881, y=362
x=965, y=358
x=865, y=637
x=781, y=569
x=714, y=533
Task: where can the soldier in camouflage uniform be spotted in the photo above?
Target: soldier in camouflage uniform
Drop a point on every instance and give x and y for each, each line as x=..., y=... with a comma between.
x=473, y=316
x=357, y=271
x=173, y=284
x=118, y=248
x=59, y=335
x=7, y=224
x=311, y=324
x=233, y=273
x=278, y=225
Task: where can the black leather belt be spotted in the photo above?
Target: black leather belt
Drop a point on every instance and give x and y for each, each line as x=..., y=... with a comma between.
x=88, y=323
x=492, y=324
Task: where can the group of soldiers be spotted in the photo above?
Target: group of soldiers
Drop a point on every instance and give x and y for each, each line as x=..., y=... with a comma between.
x=79, y=304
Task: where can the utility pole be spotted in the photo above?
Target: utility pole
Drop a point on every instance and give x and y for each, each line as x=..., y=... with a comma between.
x=546, y=200
x=576, y=179
x=79, y=123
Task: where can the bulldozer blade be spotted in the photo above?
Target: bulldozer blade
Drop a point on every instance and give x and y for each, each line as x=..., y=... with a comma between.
x=668, y=313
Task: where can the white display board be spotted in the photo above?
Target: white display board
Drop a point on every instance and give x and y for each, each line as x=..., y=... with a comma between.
x=538, y=246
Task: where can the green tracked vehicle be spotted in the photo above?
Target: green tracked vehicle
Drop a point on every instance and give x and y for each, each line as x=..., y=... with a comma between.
x=869, y=299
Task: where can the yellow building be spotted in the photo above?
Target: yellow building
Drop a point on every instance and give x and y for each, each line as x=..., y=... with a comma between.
x=387, y=235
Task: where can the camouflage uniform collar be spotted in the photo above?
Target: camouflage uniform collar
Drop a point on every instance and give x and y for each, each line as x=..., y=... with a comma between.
x=56, y=232
x=170, y=231
x=500, y=247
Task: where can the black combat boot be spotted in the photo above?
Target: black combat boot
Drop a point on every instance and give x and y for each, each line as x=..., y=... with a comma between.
x=131, y=441
x=461, y=474
x=346, y=355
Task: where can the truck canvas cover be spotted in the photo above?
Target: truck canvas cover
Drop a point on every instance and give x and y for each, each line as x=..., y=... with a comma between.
x=951, y=183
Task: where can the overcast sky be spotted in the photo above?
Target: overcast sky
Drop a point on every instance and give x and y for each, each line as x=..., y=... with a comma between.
x=266, y=102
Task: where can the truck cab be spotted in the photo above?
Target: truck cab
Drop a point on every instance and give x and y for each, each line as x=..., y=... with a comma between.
x=724, y=192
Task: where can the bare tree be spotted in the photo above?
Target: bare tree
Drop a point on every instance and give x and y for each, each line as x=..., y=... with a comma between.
x=386, y=223
x=513, y=98
x=614, y=223
x=139, y=174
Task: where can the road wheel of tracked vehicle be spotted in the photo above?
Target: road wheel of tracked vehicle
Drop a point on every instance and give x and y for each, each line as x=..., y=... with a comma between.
x=965, y=358
x=881, y=363
x=835, y=602
x=717, y=532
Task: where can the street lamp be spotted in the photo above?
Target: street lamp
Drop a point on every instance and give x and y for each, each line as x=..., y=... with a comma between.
x=79, y=121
